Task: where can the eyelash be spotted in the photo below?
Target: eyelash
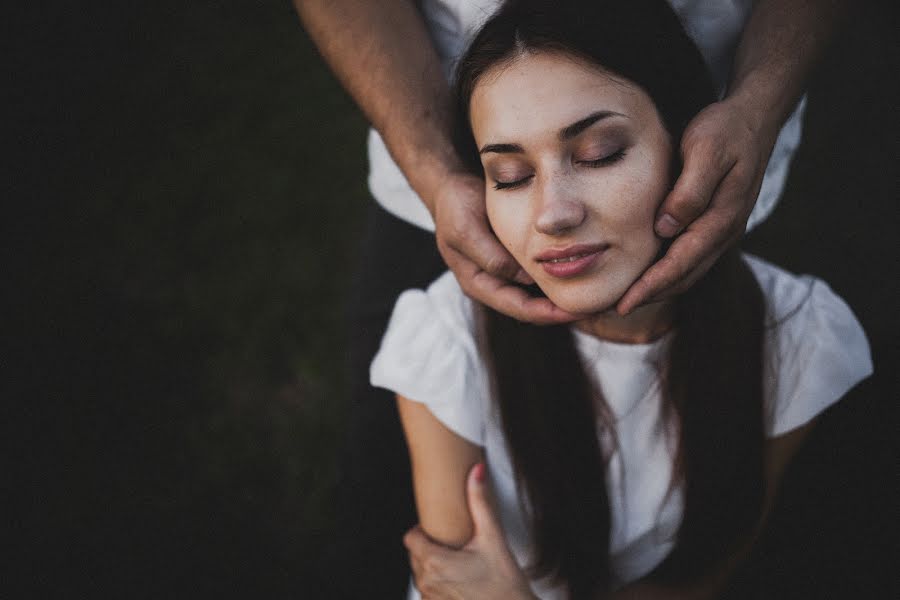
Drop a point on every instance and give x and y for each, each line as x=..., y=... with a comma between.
x=600, y=162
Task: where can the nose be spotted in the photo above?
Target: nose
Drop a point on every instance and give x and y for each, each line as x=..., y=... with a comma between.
x=559, y=207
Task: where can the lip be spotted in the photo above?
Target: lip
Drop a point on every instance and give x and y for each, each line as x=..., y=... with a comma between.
x=571, y=260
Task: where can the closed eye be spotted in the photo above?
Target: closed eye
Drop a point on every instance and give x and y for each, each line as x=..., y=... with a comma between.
x=600, y=162
x=505, y=185
x=604, y=161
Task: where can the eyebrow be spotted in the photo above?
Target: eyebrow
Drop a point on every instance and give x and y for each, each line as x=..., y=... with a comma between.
x=566, y=133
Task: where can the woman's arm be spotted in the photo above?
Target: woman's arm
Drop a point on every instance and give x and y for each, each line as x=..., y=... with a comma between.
x=441, y=460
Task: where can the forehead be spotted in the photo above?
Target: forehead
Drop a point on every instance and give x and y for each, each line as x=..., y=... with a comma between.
x=538, y=93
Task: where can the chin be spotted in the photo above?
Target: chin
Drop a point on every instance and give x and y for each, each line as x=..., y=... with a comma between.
x=586, y=300
x=599, y=291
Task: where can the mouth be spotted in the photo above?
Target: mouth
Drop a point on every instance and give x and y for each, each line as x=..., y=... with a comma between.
x=571, y=260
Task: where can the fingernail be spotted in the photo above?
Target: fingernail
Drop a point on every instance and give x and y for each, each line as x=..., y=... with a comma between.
x=667, y=226
x=479, y=472
x=524, y=278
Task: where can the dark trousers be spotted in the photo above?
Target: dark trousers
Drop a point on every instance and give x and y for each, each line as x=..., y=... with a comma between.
x=366, y=558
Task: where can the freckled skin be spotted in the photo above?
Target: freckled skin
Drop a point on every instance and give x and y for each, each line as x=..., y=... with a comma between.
x=527, y=101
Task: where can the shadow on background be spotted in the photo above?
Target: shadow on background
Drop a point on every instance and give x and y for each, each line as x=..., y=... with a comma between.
x=188, y=191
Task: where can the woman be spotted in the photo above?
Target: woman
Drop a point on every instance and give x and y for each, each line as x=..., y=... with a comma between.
x=623, y=451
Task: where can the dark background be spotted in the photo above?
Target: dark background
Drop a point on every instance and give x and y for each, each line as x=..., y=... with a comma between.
x=186, y=188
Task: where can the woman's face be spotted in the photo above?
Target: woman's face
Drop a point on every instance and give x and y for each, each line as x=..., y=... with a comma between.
x=576, y=163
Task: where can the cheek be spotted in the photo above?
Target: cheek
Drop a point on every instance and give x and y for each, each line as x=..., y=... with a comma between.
x=635, y=199
x=509, y=220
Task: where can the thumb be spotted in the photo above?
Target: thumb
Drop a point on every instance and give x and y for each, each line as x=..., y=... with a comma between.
x=483, y=517
x=692, y=193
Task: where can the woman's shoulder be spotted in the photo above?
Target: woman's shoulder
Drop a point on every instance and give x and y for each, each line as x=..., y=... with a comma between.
x=785, y=294
x=801, y=304
x=816, y=349
x=429, y=354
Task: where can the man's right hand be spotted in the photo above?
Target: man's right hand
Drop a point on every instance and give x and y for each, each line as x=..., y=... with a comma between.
x=483, y=267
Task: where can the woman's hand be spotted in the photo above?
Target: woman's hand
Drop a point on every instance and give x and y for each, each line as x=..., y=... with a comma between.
x=483, y=569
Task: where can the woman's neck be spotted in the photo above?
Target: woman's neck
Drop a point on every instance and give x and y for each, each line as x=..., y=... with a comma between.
x=641, y=326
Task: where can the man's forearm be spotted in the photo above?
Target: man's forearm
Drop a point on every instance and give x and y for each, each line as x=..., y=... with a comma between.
x=381, y=53
x=779, y=47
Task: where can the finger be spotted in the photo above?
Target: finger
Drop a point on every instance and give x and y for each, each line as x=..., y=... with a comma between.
x=689, y=279
x=417, y=542
x=430, y=555
x=503, y=296
x=424, y=581
x=524, y=278
x=695, y=251
x=416, y=566
x=479, y=245
x=696, y=247
x=483, y=517
x=702, y=173
x=515, y=302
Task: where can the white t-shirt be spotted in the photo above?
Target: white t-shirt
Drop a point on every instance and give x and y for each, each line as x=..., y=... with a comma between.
x=714, y=26
x=816, y=351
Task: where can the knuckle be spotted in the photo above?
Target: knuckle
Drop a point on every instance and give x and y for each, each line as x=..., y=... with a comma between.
x=742, y=171
x=701, y=143
x=458, y=234
x=407, y=538
x=695, y=246
x=497, y=265
x=717, y=224
x=428, y=589
x=431, y=565
x=723, y=227
x=691, y=201
x=733, y=229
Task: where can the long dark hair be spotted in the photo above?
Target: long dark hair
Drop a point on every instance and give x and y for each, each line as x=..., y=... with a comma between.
x=712, y=375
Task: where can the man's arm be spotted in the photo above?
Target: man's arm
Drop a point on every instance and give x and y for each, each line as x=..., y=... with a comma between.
x=783, y=41
x=725, y=148
x=381, y=53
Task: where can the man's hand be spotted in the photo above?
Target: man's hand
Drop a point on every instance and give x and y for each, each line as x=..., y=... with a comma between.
x=726, y=147
x=483, y=569
x=724, y=150
x=483, y=267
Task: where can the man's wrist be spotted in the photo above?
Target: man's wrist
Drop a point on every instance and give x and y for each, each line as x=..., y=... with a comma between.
x=430, y=179
x=765, y=118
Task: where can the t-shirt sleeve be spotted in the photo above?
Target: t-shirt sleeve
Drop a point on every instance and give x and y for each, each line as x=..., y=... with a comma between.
x=428, y=354
x=815, y=354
